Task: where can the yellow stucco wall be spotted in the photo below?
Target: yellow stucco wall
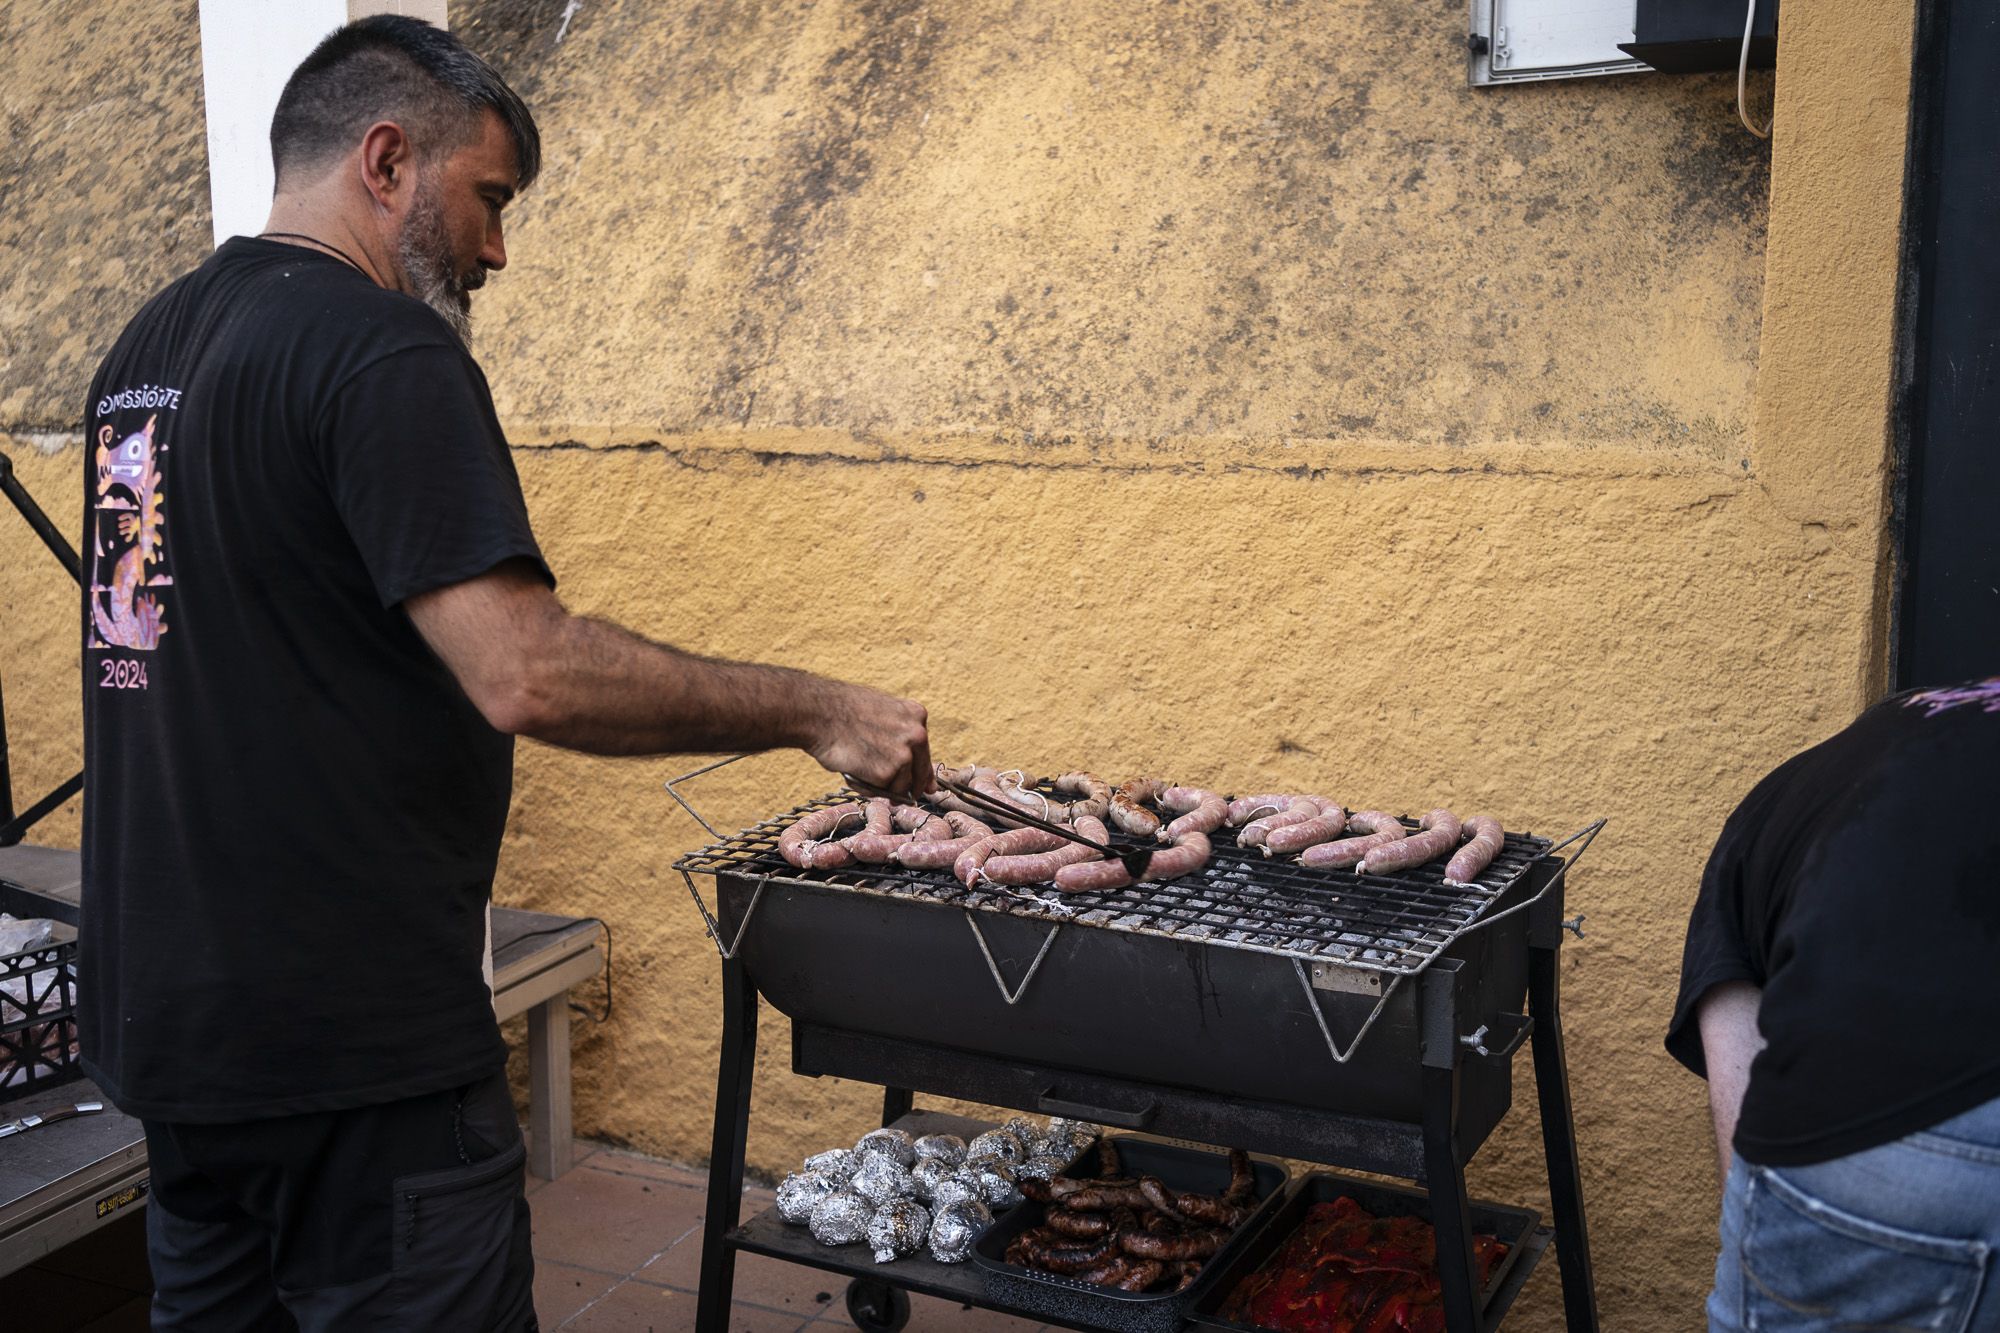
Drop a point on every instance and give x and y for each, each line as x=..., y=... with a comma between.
x=1227, y=391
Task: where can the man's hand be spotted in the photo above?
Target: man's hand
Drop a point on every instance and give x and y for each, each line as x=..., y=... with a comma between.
x=877, y=740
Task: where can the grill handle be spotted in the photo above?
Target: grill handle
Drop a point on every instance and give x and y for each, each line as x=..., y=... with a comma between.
x=1050, y=1104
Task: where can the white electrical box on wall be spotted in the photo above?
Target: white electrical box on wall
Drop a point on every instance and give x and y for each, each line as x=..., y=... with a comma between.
x=1529, y=41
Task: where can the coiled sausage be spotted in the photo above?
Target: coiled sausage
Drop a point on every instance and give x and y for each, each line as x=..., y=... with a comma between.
x=1440, y=835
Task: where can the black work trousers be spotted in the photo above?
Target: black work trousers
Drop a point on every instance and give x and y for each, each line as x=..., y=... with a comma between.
x=408, y=1215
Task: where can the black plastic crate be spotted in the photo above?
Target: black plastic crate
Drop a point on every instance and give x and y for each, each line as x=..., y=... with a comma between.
x=1056, y=1296
x=1512, y=1226
x=38, y=1019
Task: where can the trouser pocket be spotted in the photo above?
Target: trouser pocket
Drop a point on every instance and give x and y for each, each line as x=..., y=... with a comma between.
x=1809, y=1265
x=461, y=1246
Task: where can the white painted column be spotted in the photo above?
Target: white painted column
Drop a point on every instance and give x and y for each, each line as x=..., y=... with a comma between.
x=248, y=49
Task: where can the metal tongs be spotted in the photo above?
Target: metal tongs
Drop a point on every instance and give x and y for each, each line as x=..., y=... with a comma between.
x=1133, y=859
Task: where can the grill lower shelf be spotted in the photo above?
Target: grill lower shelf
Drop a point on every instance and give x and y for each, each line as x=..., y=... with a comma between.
x=964, y=1284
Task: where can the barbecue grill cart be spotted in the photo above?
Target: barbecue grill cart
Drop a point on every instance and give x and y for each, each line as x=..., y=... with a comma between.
x=1365, y=1022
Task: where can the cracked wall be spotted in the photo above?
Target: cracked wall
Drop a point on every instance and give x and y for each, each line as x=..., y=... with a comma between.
x=1219, y=389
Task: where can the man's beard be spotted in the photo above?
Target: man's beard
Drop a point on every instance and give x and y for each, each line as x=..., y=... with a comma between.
x=424, y=250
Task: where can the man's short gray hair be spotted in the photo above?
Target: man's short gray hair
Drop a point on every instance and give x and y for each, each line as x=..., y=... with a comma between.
x=400, y=69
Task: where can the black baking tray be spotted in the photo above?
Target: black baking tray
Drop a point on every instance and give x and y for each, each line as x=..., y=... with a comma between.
x=1514, y=1226
x=1055, y=1296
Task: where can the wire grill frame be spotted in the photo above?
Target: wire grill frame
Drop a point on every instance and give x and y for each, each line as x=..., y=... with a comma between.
x=1396, y=925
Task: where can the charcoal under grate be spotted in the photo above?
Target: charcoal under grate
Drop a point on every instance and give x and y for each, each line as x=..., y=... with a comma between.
x=1396, y=924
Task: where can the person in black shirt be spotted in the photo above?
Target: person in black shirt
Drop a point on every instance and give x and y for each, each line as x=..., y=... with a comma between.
x=316, y=618
x=1839, y=991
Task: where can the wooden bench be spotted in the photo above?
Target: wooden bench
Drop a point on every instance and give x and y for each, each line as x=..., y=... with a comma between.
x=59, y=1182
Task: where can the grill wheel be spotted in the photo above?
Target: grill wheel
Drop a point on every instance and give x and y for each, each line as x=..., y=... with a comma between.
x=877, y=1307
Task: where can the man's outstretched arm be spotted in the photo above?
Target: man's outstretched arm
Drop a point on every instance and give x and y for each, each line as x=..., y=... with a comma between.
x=1729, y=1042
x=533, y=669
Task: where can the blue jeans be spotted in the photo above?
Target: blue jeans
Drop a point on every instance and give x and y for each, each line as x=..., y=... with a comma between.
x=1894, y=1239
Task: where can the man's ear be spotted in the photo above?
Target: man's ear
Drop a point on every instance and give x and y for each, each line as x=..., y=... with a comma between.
x=388, y=166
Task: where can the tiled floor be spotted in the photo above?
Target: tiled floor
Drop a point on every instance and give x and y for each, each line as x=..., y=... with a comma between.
x=617, y=1250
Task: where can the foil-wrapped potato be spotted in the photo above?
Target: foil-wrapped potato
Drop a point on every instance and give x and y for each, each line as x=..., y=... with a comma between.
x=898, y=1228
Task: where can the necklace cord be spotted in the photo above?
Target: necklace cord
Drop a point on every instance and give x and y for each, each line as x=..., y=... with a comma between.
x=313, y=240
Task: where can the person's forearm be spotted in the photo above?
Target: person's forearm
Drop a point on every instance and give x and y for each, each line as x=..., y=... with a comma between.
x=1730, y=1042
x=606, y=690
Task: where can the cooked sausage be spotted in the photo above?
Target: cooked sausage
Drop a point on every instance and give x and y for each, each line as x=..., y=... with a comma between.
x=1379, y=827
x=1487, y=838
x=1107, y=1274
x=1246, y=808
x=1200, y=810
x=1322, y=827
x=1242, y=1178
x=1040, y=867
x=1440, y=835
x=803, y=843
x=1206, y=1208
x=1098, y=1196
x=1128, y=814
x=1143, y=1275
x=1158, y=1196
x=970, y=865
x=1058, y=1257
x=1082, y=1226
x=1188, y=1245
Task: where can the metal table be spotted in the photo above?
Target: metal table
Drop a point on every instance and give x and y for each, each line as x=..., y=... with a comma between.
x=61, y=1180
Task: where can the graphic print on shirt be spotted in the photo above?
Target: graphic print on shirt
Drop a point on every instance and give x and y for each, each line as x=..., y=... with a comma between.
x=127, y=540
x=1985, y=693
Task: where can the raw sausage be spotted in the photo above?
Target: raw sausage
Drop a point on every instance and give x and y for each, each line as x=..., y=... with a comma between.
x=1380, y=827
x=802, y=844
x=1200, y=811
x=1246, y=808
x=1093, y=793
x=873, y=844
x=1440, y=835
x=1040, y=867
x=1301, y=810
x=936, y=854
x=1188, y=854
x=1322, y=827
x=1487, y=838
x=971, y=863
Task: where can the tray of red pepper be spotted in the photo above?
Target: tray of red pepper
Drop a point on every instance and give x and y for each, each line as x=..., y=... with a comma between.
x=1355, y=1256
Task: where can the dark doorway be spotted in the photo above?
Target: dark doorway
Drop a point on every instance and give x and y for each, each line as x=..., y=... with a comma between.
x=1945, y=618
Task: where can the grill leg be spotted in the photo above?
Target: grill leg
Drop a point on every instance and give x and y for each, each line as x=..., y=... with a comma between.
x=896, y=1103
x=725, y=1171
x=1558, y=1126
x=1444, y=1170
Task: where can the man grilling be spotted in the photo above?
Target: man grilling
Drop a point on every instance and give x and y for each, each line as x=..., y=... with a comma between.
x=1839, y=992
x=317, y=618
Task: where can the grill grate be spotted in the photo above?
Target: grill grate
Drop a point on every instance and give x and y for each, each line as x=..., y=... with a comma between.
x=1396, y=924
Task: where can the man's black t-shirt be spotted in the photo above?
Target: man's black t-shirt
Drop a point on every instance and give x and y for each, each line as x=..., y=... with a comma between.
x=1859, y=886
x=291, y=811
